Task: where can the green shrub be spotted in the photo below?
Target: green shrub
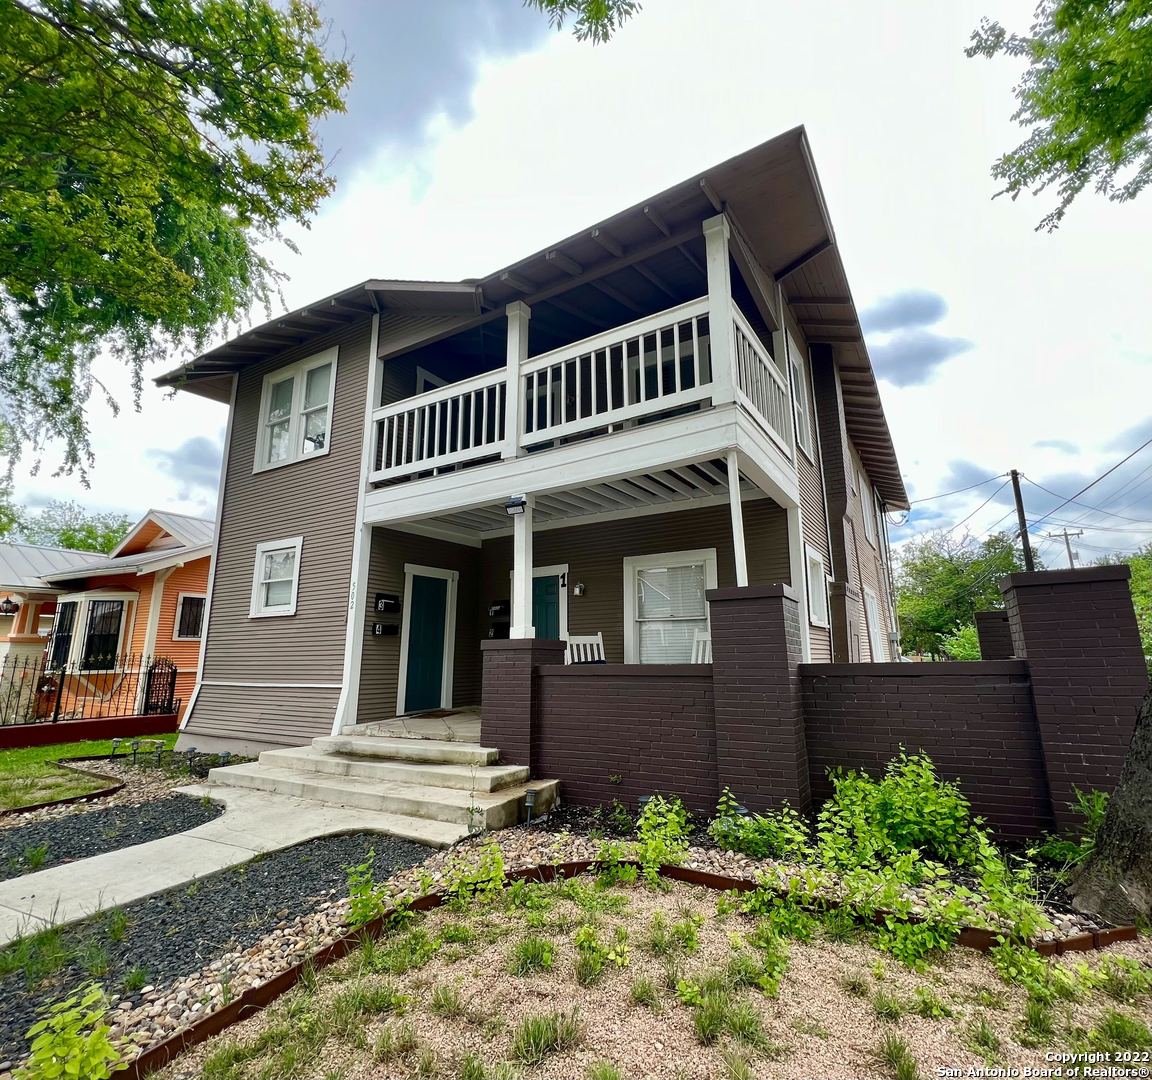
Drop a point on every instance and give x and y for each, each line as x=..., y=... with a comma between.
x=781, y=834
x=71, y=1040
x=480, y=878
x=366, y=899
x=1091, y=806
x=662, y=832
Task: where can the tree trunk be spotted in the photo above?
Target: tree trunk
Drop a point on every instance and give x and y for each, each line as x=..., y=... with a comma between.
x=1116, y=880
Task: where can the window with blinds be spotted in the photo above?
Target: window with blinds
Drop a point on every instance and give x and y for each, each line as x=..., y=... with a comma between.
x=668, y=605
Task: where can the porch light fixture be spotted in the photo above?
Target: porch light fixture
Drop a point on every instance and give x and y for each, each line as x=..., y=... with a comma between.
x=516, y=505
x=578, y=589
x=8, y=606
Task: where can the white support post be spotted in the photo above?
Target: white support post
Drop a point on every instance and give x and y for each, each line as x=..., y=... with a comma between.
x=716, y=235
x=737, y=508
x=798, y=573
x=522, y=574
x=518, y=315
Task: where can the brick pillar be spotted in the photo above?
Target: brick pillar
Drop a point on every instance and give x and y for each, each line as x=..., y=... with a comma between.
x=1077, y=630
x=507, y=710
x=760, y=749
x=995, y=635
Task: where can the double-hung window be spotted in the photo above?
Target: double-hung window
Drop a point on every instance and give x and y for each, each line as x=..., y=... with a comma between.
x=276, y=577
x=817, y=585
x=665, y=606
x=88, y=630
x=801, y=398
x=868, y=511
x=189, y=624
x=296, y=411
x=877, y=639
x=62, y=632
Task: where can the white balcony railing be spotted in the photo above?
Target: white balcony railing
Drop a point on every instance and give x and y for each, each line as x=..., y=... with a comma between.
x=760, y=387
x=652, y=366
x=459, y=422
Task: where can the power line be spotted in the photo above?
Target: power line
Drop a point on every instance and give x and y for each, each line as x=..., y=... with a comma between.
x=964, y=521
x=1123, y=488
x=958, y=491
x=1098, y=509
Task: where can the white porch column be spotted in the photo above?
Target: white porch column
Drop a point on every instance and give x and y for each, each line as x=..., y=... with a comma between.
x=518, y=315
x=798, y=573
x=716, y=234
x=522, y=574
x=737, y=508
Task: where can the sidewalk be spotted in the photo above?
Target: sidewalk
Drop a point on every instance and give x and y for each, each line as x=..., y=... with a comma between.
x=253, y=823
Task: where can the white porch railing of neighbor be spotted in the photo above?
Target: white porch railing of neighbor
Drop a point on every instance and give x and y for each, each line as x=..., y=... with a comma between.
x=652, y=365
x=760, y=386
x=459, y=422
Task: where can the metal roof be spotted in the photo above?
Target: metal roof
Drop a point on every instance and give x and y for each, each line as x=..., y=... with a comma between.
x=23, y=566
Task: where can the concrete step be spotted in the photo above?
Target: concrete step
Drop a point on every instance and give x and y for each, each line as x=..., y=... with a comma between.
x=433, y=751
x=472, y=810
x=462, y=777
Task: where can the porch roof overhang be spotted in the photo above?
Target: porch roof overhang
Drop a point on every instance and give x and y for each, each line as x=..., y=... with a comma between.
x=782, y=237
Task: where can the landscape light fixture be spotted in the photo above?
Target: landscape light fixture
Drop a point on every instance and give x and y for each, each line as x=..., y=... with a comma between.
x=8, y=606
x=516, y=505
x=529, y=802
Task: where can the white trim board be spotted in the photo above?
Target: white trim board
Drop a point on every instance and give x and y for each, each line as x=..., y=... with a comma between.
x=294, y=685
x=413, y=570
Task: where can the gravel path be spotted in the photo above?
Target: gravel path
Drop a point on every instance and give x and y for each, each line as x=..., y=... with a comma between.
x=41, y=844
x=176, y=934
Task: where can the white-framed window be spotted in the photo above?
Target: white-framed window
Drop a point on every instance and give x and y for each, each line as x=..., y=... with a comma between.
x=276, y=577
x=801, y=398
x=89, y=629
x=665, y=604
x=817, y=585
x=868, y=512
x=877, y=636
x=189, y=622
x=296, y=411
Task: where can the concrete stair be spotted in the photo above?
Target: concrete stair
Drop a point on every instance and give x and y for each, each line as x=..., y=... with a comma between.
x=432, y=791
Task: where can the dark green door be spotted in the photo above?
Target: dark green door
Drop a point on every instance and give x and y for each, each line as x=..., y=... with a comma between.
x=426, y=627
x=546, y=607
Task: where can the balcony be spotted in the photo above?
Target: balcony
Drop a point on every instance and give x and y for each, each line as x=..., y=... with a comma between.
x=656, y=368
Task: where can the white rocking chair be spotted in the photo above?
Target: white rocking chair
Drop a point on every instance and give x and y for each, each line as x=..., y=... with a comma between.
x=588, y=649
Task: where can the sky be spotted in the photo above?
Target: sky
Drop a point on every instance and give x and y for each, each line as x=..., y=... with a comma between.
x=475, y=135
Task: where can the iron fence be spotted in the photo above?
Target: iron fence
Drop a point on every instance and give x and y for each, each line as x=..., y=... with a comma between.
x=35, y=690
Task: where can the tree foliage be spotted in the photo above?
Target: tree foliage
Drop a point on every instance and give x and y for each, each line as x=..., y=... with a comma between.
x=1140, y=562
x=962, y=643
x=145, y=151
x=942, y=581
x=593, y=20
x=1086, y=97
x=68, y=525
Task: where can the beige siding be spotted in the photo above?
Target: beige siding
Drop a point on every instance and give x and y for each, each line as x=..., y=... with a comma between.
x=867, y=557
x=267, y=716
x=380, y=669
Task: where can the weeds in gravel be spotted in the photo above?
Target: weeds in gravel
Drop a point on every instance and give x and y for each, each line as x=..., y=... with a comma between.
x=983, y=1040
x=446, y=1001
x=1118, y=1032
x=472, y=1068
x=711, y=1019
x=539, y=1036
x=406, y=952
x=116, y=924
x=93, y=958
x=892, y=1053
x=658, y=941
x=134, y=979
x=604, y=1070
x=394, y=1041
x=838, y=924
x=531, y=954
x=855, y=984
x=1037, y=1026
x=455, y=933
x=31, y=859
x=736, y=1065
x=928, y=1004
x=38, y=956
x=887, y=1007
x=644, y=993
x=426, y=1065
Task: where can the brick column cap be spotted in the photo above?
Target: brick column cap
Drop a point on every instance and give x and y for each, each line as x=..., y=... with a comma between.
x=751, y=592
x=1080, y=576
x=522, y=645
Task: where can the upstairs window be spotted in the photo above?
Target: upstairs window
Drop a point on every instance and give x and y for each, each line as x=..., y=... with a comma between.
x=276, y=577
x=296, y=411
x=801, y=398
x=817, y=582
x=189, y=618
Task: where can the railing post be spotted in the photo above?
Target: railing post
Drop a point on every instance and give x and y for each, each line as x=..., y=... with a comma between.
x=518, y=315
x=716, y=234
x=61, y=675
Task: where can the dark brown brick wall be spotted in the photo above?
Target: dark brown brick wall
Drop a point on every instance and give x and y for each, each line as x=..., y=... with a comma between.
x=1077, y=629
x=650, y=726
x=974, y=719
x=508, y=714
x=760, y=751
x=995, y=635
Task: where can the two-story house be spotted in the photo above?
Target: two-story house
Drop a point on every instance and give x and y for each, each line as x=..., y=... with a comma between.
x=577, y=447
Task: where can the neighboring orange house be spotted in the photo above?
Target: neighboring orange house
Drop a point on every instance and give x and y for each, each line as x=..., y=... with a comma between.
x=145, y=600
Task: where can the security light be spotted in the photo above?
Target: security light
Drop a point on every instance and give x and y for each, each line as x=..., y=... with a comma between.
x=8, y=606
x=516, y=505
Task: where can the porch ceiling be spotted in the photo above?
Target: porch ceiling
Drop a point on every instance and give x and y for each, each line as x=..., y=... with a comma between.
x=702, y=482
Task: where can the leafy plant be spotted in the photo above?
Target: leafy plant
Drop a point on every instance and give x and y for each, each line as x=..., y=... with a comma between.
x=72, y=1040
x=611, y=869
x=366, y=899
x=686, y=932
x=644, y=992
x=480, y=879
x=928, y=1004
x=780, y=834
x=689, y=993
x=1091, y=806
x=662, y=830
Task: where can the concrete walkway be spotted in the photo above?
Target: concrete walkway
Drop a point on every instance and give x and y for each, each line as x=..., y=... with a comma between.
x=253, y=822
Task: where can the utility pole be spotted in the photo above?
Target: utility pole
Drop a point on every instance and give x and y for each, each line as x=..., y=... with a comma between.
x=1067, y=536
x=1028, y=564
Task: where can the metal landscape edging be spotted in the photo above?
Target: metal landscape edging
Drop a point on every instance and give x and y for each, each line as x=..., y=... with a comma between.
x=259, y=997
x=99, y=793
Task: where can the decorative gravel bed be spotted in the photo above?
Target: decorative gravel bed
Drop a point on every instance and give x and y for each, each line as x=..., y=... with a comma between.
x=41, y=844
x=157, y=942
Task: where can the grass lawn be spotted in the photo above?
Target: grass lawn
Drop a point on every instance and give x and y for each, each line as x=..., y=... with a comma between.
x=27, y=775
x=583, y=981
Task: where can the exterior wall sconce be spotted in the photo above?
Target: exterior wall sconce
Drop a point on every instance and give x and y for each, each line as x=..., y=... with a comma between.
x=515, y=505
x=578, y=589
x=8, y=606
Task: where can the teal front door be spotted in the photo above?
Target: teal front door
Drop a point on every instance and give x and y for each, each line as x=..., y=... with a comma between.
x=546, y=607
x=427, y=638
